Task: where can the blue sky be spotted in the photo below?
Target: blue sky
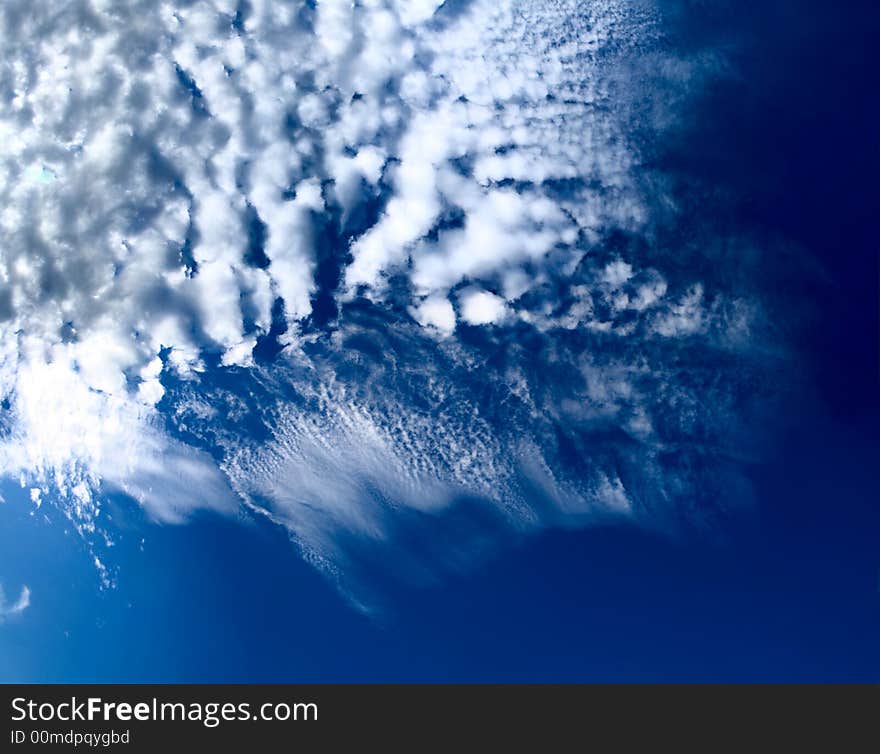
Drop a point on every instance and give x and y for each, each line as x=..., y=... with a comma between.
x=781, y=149
x=791, y=595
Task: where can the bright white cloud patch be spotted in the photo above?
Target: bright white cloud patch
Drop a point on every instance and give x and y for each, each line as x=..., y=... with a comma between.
x=515, y=93
x=482, y=307
x=436, y=312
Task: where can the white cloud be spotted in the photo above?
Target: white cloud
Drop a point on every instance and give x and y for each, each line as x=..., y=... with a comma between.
x=541, y=118
x=15, y=608
x=436, y=312
x=167, y=176
x=685, y=317
x=72, y=438
x=353, y=464
x=617, y=273
x=481, y=307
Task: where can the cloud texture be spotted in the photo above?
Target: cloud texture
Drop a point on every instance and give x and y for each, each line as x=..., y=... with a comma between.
x=187, y=187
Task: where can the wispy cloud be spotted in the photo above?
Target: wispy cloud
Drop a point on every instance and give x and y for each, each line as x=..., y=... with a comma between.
x=17, y=607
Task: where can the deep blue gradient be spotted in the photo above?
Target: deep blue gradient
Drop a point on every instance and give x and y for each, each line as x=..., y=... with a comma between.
x=789, y=590
x=791, y=597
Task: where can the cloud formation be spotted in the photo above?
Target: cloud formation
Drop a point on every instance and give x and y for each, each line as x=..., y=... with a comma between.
x=15, y=608
x=185, y=184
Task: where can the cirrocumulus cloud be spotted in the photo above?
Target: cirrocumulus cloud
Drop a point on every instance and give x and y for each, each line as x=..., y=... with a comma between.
x=350, y=265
